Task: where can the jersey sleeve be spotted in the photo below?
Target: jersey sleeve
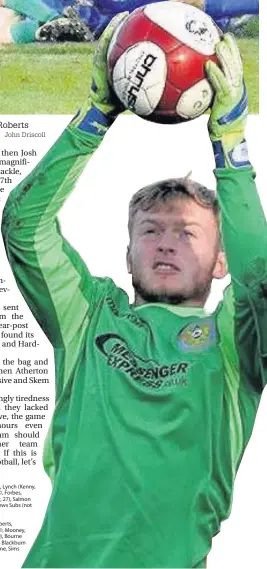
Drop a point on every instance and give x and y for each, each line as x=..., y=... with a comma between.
x=116, y=6
x=230, y=8
x=52, y=277
x=244, y=232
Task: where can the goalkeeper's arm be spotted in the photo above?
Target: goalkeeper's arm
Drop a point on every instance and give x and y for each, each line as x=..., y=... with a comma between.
x=48, y=271
x=244, y=228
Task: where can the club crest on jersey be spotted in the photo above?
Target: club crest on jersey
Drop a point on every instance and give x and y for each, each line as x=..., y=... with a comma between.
x=197, y=336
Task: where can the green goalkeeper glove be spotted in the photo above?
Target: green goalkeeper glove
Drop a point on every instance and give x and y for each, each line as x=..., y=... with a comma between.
x=230, y=107
x=102, y=107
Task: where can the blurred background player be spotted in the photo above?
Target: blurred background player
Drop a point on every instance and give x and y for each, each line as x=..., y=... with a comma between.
x=34, y=20
x=84, y=20
x=98, y=13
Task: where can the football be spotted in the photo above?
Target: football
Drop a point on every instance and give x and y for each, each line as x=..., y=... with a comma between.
x=156, y=61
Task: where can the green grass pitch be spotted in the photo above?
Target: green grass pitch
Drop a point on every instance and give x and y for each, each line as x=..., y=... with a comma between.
x=55, y=79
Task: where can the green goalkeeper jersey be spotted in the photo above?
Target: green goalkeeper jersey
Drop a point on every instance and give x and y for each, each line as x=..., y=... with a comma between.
x=154, y=404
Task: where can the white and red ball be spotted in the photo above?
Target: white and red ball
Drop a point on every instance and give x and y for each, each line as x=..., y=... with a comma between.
x=156, y=61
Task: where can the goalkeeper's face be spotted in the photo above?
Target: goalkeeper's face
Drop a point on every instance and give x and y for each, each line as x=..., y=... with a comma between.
x=174, y=253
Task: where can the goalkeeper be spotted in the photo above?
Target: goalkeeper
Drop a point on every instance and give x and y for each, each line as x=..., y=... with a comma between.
x=155, y=402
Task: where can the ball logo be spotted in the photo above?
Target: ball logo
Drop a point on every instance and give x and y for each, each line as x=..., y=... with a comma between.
x=138, y=80
x=195, y=100
x=200, y=30
x=201, y=103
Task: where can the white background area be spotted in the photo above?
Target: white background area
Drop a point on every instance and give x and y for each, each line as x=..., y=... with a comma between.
x=94, y=219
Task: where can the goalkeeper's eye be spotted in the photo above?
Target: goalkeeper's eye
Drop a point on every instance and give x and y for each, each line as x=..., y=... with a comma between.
x=187, y=233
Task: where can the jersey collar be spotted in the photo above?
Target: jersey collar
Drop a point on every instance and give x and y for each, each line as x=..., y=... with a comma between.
x=179, y=310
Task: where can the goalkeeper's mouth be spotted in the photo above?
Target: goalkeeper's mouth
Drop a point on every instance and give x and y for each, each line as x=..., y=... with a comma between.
x=165, y=268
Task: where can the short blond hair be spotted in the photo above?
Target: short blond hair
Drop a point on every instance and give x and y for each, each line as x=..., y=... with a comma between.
x=150, y=197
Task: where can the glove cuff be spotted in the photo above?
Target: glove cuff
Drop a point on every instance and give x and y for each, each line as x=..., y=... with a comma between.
x=235, y=158
x=92, y=121
x=239, y=109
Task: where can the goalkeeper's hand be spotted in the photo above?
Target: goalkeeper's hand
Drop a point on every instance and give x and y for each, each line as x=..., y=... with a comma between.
x=102, y=107
x=230, y=106
x=102, y=96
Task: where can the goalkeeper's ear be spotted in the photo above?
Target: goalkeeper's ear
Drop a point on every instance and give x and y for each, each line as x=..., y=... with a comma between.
x=220, y=270
x=128, y=261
